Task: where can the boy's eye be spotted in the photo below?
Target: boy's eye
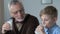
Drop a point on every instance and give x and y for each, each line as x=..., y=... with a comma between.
x=46, y=20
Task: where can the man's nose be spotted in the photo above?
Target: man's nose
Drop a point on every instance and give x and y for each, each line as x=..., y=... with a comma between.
x=19, y=13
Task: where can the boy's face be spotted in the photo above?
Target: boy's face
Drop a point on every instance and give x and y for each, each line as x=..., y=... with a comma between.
x=47, y=21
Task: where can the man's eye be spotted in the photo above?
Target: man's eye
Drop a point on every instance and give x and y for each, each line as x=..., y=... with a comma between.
x=14, y=12
x=21, y=10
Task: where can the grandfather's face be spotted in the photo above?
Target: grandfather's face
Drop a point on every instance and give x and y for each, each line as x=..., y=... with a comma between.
x=47, y=21
x=17, y=11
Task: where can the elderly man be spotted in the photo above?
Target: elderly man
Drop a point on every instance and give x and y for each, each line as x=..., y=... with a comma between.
x=19, y=23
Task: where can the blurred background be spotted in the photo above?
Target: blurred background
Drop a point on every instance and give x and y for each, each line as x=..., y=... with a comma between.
x=32, y=7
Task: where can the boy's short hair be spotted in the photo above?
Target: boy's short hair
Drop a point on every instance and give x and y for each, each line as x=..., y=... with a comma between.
x=49, y=10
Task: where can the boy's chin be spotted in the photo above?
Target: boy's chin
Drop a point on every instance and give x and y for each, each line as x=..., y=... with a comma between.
x=44, y=25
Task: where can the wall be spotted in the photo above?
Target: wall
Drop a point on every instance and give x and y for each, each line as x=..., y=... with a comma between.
x=6, y=11
x=32, y=7
x=1, y=13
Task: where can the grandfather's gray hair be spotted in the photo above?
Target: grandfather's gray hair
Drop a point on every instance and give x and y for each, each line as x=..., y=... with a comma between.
x=14, y=2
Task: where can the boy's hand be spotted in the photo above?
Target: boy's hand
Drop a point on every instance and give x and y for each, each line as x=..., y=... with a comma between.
x=40, y=29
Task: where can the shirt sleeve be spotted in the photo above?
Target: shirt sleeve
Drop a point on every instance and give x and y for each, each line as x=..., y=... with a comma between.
x=57, y=31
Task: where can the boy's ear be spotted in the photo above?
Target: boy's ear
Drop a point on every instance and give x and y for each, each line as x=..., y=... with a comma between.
x=55, y=19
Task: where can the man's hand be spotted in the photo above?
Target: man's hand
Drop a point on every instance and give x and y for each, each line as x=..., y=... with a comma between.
x=40, y=29
x=5, y=27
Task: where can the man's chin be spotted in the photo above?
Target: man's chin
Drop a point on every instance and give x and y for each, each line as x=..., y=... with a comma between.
x=19, y=20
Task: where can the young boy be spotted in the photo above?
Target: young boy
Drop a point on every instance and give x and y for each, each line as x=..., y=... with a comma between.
x=49, y=17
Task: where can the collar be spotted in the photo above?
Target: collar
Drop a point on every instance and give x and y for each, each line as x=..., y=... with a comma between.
x=51, y=28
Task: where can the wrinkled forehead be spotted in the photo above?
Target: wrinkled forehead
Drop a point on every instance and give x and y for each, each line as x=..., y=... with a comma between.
x=15, y=7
